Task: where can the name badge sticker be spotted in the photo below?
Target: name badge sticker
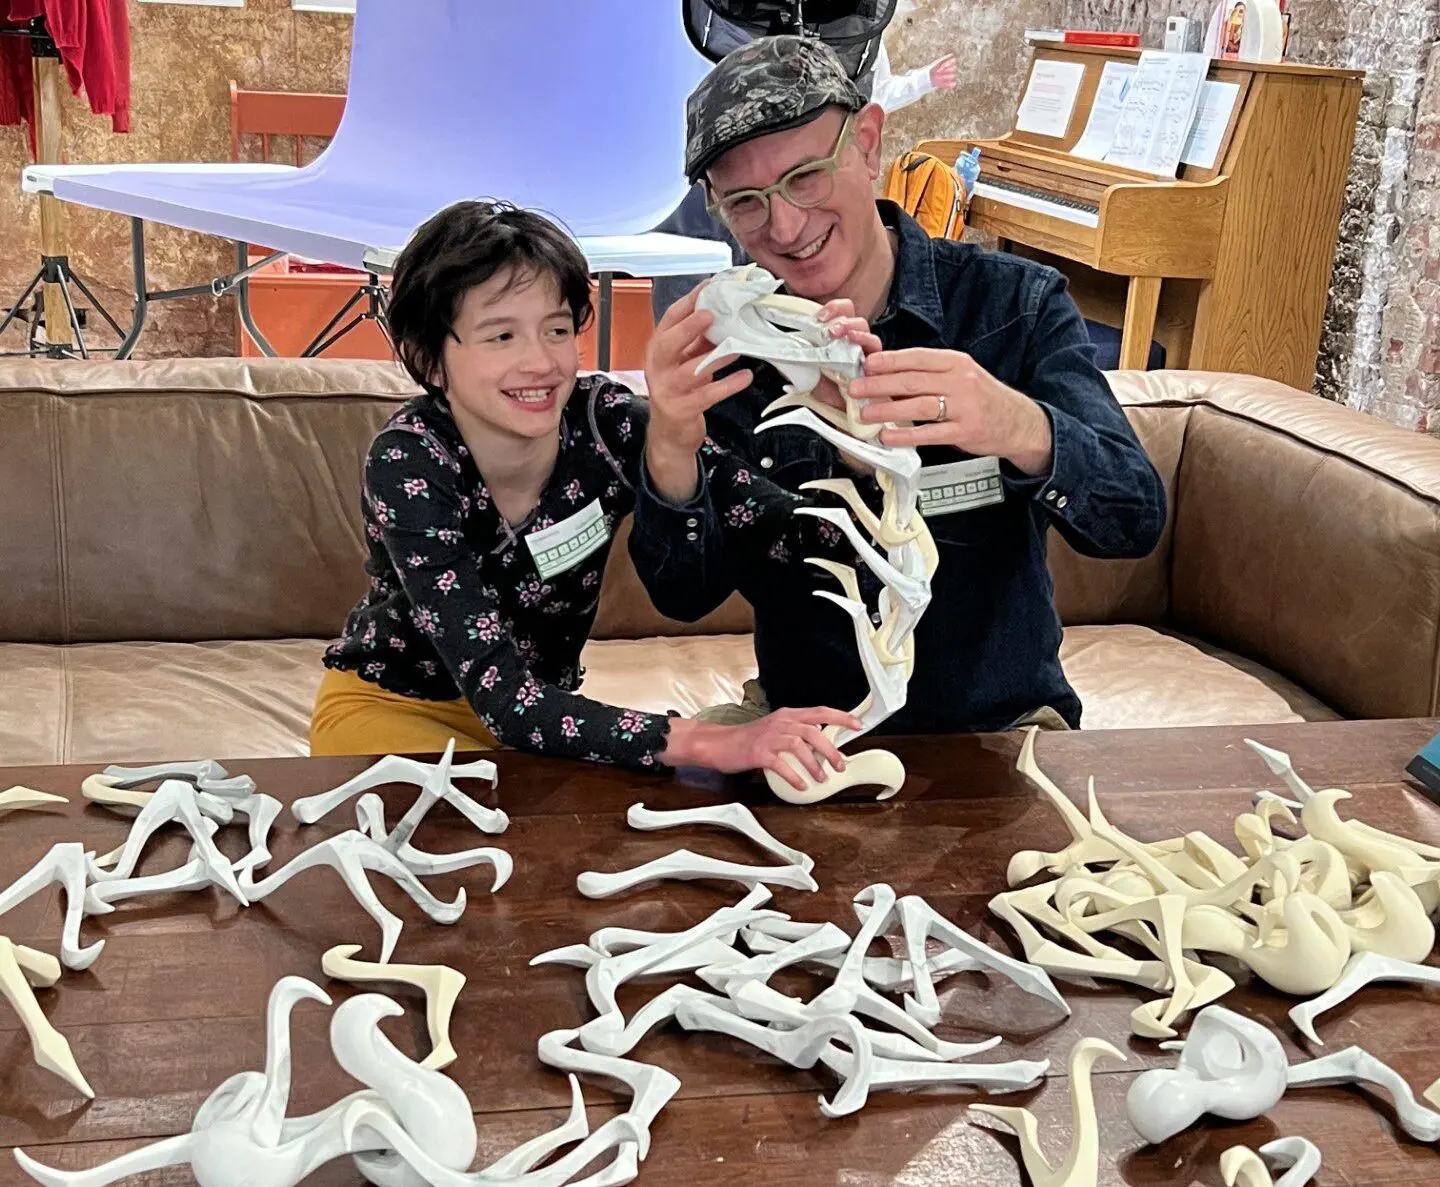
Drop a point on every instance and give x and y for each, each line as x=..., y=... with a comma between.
x=565, y=544
x=960, y=486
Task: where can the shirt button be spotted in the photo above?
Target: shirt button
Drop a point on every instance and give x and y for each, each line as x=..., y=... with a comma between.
x=1061, y=501
x=1049, y=496
x=691, y=536
x=766, y=462
x=690, y=523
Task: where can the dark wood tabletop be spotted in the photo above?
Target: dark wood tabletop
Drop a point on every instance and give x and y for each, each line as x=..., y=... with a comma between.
x=176, y=1002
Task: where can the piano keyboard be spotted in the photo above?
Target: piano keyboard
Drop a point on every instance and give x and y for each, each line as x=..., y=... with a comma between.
x=1072, y=210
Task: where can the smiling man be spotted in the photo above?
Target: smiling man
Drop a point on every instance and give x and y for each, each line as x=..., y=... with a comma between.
x=980, y=359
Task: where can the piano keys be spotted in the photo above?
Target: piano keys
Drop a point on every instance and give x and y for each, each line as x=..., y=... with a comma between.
x=1228, y=267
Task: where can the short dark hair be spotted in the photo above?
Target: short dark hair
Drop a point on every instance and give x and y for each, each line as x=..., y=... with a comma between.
x=465, y=245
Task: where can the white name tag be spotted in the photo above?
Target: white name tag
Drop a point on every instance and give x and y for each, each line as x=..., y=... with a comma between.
x=960, y=486
x=567, y=543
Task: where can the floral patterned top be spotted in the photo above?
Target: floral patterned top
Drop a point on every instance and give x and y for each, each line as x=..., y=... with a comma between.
x=457, y=605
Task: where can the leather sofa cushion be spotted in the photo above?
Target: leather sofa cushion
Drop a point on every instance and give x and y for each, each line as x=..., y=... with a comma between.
x=144, y=702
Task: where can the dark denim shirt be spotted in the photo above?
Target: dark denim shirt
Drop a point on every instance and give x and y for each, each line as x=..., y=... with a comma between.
x=987, y=648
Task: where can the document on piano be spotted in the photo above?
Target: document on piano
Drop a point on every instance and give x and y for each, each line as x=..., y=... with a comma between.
x=1212, y=117
x=1099, y=132
x=1158, y=110
x=1049, y=99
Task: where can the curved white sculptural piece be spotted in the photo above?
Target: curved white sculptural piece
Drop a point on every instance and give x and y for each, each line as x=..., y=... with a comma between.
x=1082, y=1161
x=241, y=1137
x=751, y=319
x=687, y=866
x=1354, y=1065
x=22, y=971
x=175, y=801
x=17, y=799
x=68, y=864
x=1297, y=1157
x=735, y=817
x=1363, y=969
x=351, y=854
x=1229, y=1065
x=370, y=817
x=440, y=984
x=436, y=782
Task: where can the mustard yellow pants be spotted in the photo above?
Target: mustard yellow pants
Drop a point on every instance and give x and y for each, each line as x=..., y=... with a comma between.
x=353, y=716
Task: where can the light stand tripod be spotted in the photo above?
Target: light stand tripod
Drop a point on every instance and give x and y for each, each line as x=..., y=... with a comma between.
x=50, y=287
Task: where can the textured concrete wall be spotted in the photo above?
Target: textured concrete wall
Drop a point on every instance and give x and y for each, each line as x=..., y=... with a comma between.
x=182, y=60
x=1379, y=351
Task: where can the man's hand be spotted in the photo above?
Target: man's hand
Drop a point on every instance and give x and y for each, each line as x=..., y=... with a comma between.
x=679, y=398
x=839, y=316
x=943, y=397
x=944, y=73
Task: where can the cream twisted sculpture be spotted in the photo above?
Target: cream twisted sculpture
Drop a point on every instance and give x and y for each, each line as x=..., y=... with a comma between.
x=753, y=320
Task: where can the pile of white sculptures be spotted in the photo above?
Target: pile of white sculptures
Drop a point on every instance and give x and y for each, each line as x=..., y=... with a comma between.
x=1365, y=893
x=753, y=320
x=201, y=798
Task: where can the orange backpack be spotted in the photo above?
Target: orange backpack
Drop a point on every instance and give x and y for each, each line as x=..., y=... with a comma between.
x=929, y=191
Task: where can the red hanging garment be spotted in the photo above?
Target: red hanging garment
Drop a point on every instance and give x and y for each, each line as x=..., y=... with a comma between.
x=93, y=37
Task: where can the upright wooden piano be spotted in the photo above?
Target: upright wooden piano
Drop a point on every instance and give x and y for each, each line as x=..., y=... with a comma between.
x=1227, y=267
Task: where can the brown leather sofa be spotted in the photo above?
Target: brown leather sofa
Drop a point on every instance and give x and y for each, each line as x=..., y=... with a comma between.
x=180, y=539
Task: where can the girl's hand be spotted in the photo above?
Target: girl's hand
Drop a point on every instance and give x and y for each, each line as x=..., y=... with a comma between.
x=762, y=744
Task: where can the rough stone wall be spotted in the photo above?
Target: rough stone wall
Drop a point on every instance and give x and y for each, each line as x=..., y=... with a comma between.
x=1380, y=349
x=182, y=60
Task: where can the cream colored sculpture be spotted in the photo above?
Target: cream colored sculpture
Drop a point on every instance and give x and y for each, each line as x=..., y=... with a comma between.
x=22, y=971
x=752, y=320
x=17, y=799
x=441, y=986
x=1082, y=1161
x=1298, y=1159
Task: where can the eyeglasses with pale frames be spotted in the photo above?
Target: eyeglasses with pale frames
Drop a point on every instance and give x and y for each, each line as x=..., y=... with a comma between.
x=804, y=186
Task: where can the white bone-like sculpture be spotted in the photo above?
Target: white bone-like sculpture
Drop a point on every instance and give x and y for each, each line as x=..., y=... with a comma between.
x=440, y=984
x=436, y=782
x=1229, y=1065
x=370, y=816
x=1363, y=969
x=1297, y=1157
x=241, y=1137
x=22, y=971
x=1357, y=1066
x=203, y=868
x=17, y=798
x=67, y=864
x=351, y=854
x=687, y=866
x=174, y=801
x=752, y=320
x=207, y=775
x=735, y=817
x=1082, y=1161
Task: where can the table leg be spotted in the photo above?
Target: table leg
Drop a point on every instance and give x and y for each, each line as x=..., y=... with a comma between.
x=1140, y=307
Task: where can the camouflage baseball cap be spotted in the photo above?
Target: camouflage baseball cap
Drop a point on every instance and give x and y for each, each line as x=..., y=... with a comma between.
x=769, y=85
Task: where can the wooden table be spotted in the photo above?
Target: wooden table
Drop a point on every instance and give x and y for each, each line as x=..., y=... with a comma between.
x=176, y=1002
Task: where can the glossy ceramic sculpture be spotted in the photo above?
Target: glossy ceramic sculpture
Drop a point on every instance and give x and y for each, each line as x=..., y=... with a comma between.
x=18, y=799
x=1357, y=1066
x=241, y=1136
x=440, y=984
x=735, y=817
x=751, y=320
x=68, y=865
x=687, y=866
x=22, y=971
x=1081, y=1165
x=1298, y=1159
x=1364, y=969
x=1230, y=1066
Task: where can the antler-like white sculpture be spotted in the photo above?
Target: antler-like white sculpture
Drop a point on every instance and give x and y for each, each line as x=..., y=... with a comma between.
x=751, y=319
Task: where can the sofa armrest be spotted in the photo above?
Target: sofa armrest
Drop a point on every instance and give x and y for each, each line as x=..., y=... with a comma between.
x=1307, y=536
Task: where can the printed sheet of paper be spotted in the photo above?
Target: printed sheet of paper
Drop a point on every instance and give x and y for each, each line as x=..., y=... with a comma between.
x=1217, y=101
x=1157, y=112
x=1099, y=132
x=1049, y=98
